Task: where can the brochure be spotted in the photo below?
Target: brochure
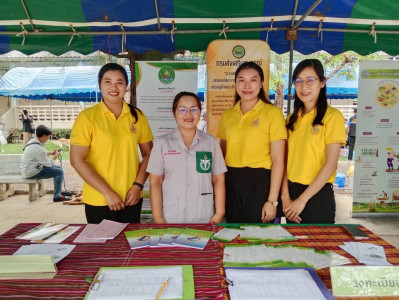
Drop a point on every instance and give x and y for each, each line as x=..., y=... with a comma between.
x=193, y=238
x=155, y=235
x=169, y=236
x=138, y=238
x=42, y=231
x=27, y=267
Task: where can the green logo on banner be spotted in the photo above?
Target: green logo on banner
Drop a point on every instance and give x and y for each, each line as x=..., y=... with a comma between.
x=204, y=161
x=238, y=51
x=166, y=75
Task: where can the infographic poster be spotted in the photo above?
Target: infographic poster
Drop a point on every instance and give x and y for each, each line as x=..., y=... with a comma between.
x=376, y=181
x=223, y=59
x=157, y=84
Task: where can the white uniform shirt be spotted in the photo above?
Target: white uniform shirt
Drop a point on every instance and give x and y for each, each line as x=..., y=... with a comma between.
x=187, y=190
x=34, y=159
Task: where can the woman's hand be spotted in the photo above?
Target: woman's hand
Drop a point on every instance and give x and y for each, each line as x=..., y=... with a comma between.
x=114, y=201
x=159, y=220
x=293, y=211
x=268, y=212
x=217, y=218
x=133, y=196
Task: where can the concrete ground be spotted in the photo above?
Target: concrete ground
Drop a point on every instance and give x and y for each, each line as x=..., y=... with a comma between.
x=17, y=209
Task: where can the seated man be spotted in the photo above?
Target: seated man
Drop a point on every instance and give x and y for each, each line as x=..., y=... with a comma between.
x=36, y=165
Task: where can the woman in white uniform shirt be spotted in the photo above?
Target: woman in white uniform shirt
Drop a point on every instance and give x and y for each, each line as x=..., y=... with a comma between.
x=187, y=170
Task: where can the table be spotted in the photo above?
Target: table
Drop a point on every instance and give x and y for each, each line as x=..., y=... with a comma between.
x=85, y=260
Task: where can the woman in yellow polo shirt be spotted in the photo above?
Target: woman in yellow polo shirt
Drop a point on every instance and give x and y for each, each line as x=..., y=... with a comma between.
x=104, y=151
x=316, y=131
x=252, y=137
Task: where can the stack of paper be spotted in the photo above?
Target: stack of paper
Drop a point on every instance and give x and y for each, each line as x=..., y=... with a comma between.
x=366, y=253
x=100, y=233
x=270, y=233
x=57, y=251
x=27, y=267
x=140, y=283
x=49, y=233
x=260, y=283
x=170, y=237
x=280, y=256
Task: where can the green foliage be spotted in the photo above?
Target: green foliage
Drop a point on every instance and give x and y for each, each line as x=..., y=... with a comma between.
x=62, y=133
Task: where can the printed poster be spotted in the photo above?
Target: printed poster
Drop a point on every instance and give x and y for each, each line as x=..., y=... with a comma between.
x=376, y=181
x=223, y=58
x=157, y=84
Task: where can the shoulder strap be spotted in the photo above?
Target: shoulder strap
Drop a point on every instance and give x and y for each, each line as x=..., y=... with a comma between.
x=31, y=145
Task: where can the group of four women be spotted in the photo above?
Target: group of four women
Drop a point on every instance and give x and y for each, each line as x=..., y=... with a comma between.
x=274, y=167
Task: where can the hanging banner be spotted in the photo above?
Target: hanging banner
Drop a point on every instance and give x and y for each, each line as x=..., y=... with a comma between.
x=157, y=84
x=223, y=59
x=376, y=181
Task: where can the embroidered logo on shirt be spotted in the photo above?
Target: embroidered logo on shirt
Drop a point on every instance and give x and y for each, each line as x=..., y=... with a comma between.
x=172, y=152
x=204, y=161
x=255, y=123
x=315, y=129
x=132, y=128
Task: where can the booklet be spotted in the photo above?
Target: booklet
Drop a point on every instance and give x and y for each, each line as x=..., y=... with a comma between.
x=169, y=236
x=155, y=235
x=42, y=231
x=27, y=267
x=138, y=238
x=193, y=238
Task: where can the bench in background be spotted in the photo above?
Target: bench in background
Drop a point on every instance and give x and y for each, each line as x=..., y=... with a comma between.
x=10, y=174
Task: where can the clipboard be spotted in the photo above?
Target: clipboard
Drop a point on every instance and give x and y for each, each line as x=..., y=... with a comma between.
x=320, y=284
x=188, y=290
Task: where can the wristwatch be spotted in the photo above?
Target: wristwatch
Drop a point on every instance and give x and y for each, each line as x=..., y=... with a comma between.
x=274, y=203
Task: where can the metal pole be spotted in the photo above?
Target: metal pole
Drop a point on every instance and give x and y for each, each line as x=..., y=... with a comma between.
x=289, y=96
x=306, y=14
x=27, y=14
x=157, y=12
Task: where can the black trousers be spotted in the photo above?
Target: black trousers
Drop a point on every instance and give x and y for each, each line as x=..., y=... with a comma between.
x=130, y=214
x=320, y=209
x=351, y=144
x=247, y=190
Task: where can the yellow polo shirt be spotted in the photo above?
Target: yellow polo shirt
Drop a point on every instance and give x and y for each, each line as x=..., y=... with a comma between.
x=249, y=135
x=113, y=147
x=307, y=145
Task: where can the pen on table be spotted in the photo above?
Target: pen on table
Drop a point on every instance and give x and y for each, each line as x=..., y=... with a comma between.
x=164, y=284
x=204, y=194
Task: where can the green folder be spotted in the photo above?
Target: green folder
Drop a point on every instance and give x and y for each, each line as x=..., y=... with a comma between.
x=187, y=281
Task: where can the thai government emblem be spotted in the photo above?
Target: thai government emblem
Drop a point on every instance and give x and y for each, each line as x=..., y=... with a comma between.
x=255, y=123
x=315, y=129
x=204, y=161
x=132, y=128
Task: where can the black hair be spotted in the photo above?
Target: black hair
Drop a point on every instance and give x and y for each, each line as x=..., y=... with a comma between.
x=43, y=130
x=321, y=105
x=256, y=67
x=355, y=110
x=25, y=112
x=116, y=67
x=180, y=95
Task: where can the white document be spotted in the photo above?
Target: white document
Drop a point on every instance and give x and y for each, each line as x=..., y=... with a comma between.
x=272, y=284
x=371, y=254
x=226, y=234
x=57, y=251
x=138, y=284
x=59, y=236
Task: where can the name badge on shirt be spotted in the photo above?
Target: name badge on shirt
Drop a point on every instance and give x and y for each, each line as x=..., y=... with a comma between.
x=204, y=161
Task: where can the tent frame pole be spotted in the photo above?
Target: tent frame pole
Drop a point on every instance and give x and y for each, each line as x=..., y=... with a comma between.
x=27, y=14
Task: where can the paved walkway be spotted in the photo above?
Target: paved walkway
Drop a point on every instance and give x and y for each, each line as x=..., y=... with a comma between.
x=18, y=209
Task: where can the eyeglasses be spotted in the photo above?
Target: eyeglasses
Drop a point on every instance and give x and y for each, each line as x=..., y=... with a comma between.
x=309, y=81
x=184, y=110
